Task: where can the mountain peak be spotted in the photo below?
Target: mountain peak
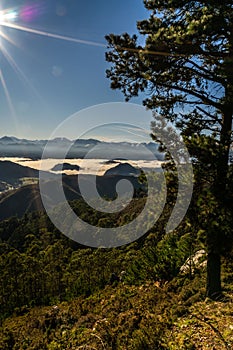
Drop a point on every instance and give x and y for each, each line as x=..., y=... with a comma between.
x=123, y=169
x=8, y=139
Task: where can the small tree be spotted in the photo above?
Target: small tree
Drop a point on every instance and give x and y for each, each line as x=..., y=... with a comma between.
x=185, y=70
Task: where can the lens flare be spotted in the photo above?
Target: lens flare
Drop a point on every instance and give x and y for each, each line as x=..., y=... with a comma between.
x=29, y=12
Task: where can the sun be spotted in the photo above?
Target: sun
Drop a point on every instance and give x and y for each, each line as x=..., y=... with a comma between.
x=6, y=16
x=9, y=15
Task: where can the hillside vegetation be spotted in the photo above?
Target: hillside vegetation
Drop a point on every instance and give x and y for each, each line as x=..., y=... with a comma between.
x=146, y=316
x=57, y=294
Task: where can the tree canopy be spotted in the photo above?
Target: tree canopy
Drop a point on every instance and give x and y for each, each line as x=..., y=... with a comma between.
x=187, y=61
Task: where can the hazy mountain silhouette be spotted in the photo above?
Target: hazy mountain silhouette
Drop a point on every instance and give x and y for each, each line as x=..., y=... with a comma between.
x=14, y=147
x=123, y=169
x=65, y=166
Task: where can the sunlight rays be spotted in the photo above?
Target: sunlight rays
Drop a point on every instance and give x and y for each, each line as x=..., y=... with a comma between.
x=7, y=94
x=20, y=73
x=51, y=35
x=7, y=19
x=7, y=38
x=8, y=98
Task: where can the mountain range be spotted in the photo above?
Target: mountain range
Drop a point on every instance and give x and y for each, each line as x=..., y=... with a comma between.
x=15, y=147
x=19, y=187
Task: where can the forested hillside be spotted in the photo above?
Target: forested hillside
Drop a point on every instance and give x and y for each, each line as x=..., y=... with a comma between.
x=57, y=294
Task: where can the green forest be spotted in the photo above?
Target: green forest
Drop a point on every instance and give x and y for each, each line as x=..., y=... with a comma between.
x=153, y=293
x=54, y=292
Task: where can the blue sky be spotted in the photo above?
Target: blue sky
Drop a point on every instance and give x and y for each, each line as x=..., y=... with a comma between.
x=50, y=79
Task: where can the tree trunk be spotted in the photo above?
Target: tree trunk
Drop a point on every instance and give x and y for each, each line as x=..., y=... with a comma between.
x=213, y=287
x=213, y=276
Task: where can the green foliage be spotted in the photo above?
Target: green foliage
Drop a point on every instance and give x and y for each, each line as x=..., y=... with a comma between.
x=187, y=55
x=42, y=267
x=161, y=261
x=116, y=318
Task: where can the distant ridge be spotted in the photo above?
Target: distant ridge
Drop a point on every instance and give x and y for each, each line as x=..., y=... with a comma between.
x=9, y=139
x=27, y=198
x=11, y=172
x=14, y=147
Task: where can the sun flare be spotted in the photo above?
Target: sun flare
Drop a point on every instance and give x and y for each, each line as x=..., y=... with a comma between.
x=14, y=18
x=7, y=16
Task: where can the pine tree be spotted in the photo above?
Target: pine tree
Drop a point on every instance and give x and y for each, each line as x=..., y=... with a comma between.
x=185, y=70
